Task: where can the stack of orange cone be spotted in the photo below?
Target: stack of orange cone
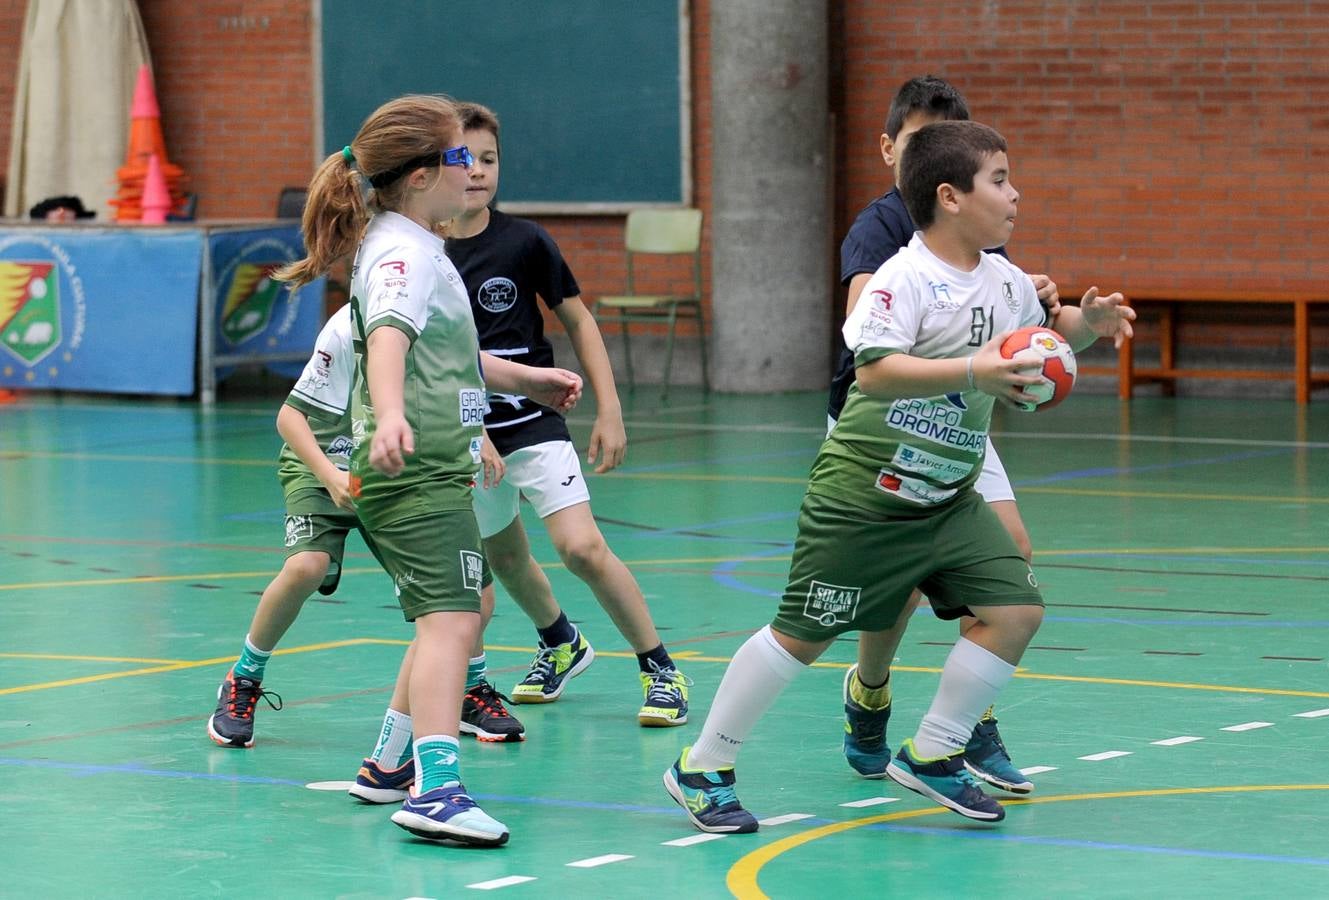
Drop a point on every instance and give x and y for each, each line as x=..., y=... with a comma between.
x=145, y=142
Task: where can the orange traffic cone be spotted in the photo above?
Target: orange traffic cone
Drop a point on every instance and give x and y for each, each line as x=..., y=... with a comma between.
x=156, y=196
x=145, y=140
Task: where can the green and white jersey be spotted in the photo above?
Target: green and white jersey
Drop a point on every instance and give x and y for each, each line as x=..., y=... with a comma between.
x=402, y=279
x=323, y=394
x=910, y=456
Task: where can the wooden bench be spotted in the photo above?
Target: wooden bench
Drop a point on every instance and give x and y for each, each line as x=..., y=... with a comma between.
x=1167, y=371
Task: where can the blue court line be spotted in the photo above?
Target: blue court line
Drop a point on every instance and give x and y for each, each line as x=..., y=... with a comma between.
x=1109, y=471
x=807, y=453
x=1100, y=845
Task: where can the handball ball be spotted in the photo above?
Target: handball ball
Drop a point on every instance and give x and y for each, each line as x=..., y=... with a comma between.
x=1049, y=353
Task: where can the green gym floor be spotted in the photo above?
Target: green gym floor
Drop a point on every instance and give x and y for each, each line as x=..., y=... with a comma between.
x=1173, y=711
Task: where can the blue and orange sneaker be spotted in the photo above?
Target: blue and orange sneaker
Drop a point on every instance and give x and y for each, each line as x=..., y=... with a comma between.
x=708, y=798
x=232, y=722
x=551, y=668
x=374, y=784
x=449, y=814
x=865, y=745
x=985, y=756
x=945, y=780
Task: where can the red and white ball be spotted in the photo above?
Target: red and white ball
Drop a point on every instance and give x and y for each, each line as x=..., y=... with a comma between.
x=1051, y=356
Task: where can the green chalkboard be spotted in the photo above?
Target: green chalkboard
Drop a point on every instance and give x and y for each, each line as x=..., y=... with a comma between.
x=592, y=94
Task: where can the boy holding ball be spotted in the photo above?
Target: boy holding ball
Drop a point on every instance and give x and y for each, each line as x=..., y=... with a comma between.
x=890, y=503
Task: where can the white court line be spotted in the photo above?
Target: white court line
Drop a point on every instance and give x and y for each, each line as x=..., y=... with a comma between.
x=330, y=785
x=1107, y=754
x=1172, y=742
x=1248, y=726
x=501, y=882
x=780, y=820
x=1313, y=714
x=599, y=861
x=1037, y=770
x=871, y=801
x=695, y=839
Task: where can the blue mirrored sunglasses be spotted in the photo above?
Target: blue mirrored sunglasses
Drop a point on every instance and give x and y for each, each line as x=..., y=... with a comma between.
x=458, y=156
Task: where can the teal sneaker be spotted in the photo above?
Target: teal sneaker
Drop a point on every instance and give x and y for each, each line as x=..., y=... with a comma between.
x=864, y=733
x=986, y=757
x=550, y=670
x=665, y=698
x=946, y=781
x=708, y=798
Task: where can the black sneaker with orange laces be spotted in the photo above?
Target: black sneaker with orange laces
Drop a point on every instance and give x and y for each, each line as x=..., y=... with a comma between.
x=232, y=724
x=484, y=715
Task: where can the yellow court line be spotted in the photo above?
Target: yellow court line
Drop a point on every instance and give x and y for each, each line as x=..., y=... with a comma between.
x=123, y=659
x=157, y=579
x=682, y=476
x=689, y=655
x=177, y=666
x=742, y=877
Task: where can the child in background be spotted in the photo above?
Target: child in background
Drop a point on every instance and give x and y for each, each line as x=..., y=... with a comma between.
x=880, y=230
x=890, y=503
x=417, y=413
x=506, y=264
x=315, y=424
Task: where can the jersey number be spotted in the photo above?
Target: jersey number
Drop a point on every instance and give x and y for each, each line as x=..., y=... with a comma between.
x=980, y=328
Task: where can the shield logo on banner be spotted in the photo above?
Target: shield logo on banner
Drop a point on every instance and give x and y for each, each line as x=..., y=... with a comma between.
x=250, y=299
x=29, y=309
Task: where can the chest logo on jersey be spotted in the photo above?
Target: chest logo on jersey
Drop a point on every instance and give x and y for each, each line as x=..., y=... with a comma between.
x=832, y=604
x=471, y=405
x=941, y=298
x=1008, y=294
x=497, y=294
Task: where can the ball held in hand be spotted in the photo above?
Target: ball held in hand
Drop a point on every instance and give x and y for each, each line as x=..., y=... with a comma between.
x=1051, y=356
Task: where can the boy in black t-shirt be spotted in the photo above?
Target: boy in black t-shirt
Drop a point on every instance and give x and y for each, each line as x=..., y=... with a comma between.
x=506, y=264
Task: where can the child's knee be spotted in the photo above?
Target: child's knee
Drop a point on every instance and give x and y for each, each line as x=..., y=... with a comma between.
x=308, y=566
x=585, y=553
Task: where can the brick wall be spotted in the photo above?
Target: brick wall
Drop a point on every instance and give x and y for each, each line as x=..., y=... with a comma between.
x=235, y=84
x=1153, y=142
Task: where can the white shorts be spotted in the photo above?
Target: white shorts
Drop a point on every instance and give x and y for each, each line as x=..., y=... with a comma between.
x=992, y=485
x=548, y=475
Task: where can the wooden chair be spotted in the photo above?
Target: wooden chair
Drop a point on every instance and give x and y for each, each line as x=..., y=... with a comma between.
x=674, y=232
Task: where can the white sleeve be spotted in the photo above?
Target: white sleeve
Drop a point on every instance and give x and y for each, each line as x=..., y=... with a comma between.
x=1032, y=312
x=324, y=387
x=399, y=285
x=887, y=314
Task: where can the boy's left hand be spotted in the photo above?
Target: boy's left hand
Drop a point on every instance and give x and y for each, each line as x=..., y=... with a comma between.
x=1107, y=316
x=609, y=441
x=555, y=388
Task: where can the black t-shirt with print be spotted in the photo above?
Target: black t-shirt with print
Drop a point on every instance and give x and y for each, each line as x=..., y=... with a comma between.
x=505, y=268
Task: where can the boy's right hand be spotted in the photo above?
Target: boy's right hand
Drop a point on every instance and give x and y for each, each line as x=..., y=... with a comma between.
x=339, y=488
x=1001, y=377
x=392, y=443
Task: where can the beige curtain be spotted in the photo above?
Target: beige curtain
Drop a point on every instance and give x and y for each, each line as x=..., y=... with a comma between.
x=71, y=106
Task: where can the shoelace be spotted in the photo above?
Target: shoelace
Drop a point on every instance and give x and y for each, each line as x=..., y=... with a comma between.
x=244, y=699
x=665, y=685
x=722, y=796
x=991, y=735
x=545, y=664
x=487, y=698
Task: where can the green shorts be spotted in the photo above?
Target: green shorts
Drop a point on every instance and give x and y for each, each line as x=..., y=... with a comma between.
x=435, y=561
x=314, y=522
x=854, y=570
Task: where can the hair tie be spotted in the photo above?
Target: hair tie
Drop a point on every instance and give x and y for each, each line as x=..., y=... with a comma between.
x=347, y=155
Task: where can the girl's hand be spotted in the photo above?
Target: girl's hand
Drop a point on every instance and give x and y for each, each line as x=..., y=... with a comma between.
x=392, y=443
x=609, y=441
x=555, y=388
